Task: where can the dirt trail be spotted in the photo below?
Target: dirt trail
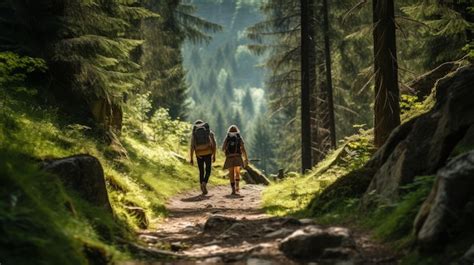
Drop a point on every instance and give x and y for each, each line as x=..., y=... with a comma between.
x=239, y=232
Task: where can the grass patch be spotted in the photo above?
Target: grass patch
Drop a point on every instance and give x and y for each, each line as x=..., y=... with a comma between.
x=293, y=195
x=36, y=225
x=39, y=227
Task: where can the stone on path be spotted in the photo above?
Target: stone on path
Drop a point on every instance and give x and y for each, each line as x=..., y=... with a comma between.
x=311, y=242
x=218, y=223
x=279, y=233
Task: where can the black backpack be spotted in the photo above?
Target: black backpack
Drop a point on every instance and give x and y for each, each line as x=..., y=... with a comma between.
x=233, y=143
x=201, y=133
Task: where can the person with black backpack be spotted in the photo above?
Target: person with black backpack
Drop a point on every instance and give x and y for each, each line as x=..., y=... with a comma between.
x=203, y=143
x=234, y=149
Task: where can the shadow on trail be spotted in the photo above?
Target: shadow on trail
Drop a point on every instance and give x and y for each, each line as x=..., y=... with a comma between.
x=196, y=198
x=235, y=196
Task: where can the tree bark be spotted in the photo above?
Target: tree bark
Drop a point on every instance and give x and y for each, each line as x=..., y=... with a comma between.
x=387, y=106
x=327, y=51
x=308, y=73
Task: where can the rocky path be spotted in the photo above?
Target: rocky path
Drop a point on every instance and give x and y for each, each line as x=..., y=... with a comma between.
x=221, y=228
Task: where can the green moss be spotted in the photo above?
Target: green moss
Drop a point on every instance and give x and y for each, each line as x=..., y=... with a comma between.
x=348, y=187
x=38, y=224
x=154, y=172
x=294, y=195
x=395, y=222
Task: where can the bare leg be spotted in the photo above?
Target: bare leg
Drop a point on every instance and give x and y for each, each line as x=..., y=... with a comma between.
x=232, y=179
x=237, y=179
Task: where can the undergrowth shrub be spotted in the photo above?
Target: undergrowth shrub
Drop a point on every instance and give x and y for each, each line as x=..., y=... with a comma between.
x=51, y=225
x=295, y=195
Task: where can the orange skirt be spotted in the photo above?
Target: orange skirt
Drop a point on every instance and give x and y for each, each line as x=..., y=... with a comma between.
x=233, y=161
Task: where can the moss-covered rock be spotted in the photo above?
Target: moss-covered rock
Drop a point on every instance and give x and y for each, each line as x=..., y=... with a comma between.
x=421, y=87
x=423, y=145
x=445, y=211
x=83, y=174
x=351, y=185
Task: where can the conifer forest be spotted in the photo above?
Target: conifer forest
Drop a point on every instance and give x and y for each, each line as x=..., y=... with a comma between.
x=143, y=132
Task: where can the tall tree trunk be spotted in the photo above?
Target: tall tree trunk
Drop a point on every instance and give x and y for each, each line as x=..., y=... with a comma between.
x=329, y=92
x=307, y=79
x=387, y=106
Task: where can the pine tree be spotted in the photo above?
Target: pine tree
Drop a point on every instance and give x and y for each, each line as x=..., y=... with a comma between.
x=237, y=120
x=247, y=103
x=162, y=58
x=329, y=87
x=262, y=146
x=308, y=79
x=278, y=36
x=196, y=58
x=220, y=127
x=229, y=88
x=387, y=106
x=89, y=48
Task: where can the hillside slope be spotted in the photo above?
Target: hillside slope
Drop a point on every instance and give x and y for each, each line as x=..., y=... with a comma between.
x=412, y=193
x=46, y=222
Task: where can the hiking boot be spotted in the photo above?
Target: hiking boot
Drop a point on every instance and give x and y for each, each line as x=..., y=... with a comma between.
x=204, y=188
x=233, y=188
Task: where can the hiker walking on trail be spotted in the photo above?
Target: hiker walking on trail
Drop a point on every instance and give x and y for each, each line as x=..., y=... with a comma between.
x=234, y=149
x=203, y=143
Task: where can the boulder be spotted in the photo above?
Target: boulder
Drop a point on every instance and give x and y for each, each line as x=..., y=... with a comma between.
x=311, y=242
x=422, y=145
x=468, y=258
x=248, y=178
x=422, y=86
x=218, y=223
x=84, y=175
x=253, y=176
x=444, y=208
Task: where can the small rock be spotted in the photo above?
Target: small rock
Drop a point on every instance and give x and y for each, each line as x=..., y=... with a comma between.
x=225, y=236
x=209, y=205
x=212, y=243
x=191, y=229
x=338, y=253
x=259, y=261
x=307, y=221
x=237, y=228
x=148, y=239
x=279, y=233
x=176, y=246
x=311, y=241
x=218, y=223
x=268, y=229
x=213, y=260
